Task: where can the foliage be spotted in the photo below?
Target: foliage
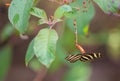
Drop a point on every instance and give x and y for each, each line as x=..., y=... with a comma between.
x=46, y=39
x=6, y=32
x=30, y=52
x=38, y=13
x=114, y=44
x=19, y=14
x=109, y=6
x=43, y=46
x=5, y=60
x=83, y=18
x=60, y=12
x=78, y=73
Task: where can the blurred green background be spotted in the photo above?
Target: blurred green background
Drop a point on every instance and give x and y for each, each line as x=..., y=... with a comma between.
x=103, y=37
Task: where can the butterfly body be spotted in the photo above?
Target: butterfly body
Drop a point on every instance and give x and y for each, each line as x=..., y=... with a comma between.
x=83, y=57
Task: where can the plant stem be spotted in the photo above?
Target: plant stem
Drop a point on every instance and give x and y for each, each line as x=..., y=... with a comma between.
x=40, y=74
x=76, y=38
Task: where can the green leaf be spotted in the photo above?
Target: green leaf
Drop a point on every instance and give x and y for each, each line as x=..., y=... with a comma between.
x=38, y=13
x=30, y=52
x=78, y=73
x=113, y=44
x=56, y=64
x=7, y=32
x=34, y=64
x=45, y=46
x=5, y=60
x=42, y=21
x=82, y=18
x=86, y=28
x=61, y=11
x=19, y=14
x=109, y=5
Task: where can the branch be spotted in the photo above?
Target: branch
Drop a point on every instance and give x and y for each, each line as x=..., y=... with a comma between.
x=41, y=74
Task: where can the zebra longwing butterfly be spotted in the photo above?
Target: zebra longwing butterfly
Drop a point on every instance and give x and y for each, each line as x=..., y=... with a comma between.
x=83, y=57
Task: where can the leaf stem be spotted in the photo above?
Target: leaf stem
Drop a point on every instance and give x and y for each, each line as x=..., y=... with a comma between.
x=52, y=25
x=54, y=22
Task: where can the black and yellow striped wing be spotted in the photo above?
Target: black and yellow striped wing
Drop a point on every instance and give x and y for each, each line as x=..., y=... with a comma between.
x=83, y=57
x=89, y=57
x=73, y=58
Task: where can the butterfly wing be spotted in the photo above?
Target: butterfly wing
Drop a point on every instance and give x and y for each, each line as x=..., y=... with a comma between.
x=73, y=58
